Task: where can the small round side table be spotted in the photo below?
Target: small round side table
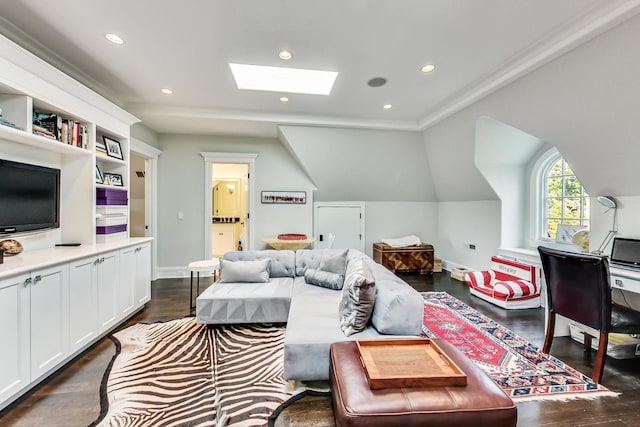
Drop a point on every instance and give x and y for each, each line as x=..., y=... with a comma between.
x=207, y=266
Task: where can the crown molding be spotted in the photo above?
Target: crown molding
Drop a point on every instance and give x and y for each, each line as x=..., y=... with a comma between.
x=602, y=17
x=143, y=110
x=25, y=41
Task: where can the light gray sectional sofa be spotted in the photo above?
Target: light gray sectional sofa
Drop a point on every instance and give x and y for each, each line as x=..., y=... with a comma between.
x=310, y=311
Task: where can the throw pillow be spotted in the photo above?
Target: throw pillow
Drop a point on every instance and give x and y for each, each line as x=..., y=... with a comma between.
x=334, y=261
x=358, y=298
x=244, y=271
x=324, y=279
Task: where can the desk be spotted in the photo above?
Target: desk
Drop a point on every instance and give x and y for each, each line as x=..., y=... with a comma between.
x=290, y=245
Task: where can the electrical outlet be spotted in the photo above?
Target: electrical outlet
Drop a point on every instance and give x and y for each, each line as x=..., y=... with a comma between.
x=472, y=247
x=469, y=246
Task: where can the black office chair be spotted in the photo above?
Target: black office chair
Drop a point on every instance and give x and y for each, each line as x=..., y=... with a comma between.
x=578, y=288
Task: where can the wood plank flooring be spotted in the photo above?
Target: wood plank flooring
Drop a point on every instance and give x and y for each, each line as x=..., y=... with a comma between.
x=71, y=396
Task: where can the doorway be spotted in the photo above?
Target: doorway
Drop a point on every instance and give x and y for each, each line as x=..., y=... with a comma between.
x=139, y=218
x=213, y=167
x=229, y=186
x=339, y=225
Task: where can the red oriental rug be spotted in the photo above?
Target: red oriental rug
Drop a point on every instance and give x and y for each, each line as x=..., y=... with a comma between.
x=518, y=366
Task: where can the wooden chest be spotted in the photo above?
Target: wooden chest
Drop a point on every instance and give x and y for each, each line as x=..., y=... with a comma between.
x=408, y=258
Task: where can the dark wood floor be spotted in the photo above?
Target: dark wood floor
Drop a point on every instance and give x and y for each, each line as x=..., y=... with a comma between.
x=71, y=396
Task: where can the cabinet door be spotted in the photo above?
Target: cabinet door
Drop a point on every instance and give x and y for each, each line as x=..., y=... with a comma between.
x=83, y=302
x=49, y=307
x=143, y=274
x=107, y=279
x=14, y=335
x=126, y=301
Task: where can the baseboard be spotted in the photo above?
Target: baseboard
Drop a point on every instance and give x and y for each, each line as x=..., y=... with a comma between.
x=450, y=265
x=171, y=272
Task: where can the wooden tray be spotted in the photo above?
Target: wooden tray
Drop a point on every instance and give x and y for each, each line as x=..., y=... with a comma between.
x=412, y=362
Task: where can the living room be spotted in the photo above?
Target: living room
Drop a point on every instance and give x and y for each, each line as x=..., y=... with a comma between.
x=425, y=176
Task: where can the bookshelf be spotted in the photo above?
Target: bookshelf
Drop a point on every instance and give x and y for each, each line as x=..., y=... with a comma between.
x=56, y=123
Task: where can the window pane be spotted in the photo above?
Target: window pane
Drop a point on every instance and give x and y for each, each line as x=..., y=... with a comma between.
x=552, y=228
x=572, y=187
x=554, y=187
x=585, y=208
x=572, y=207
x=567, y=169
x=556, y=169
x=554, y=208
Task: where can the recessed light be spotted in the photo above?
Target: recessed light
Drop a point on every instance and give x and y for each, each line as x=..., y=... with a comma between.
x=387, y=106
x=114, y=38
x=427, y=68
x=166, y=91
x=284, y=99
x=285, y=55
x=281, y=79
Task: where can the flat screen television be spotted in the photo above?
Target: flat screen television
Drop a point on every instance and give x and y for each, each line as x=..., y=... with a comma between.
x=29, y=197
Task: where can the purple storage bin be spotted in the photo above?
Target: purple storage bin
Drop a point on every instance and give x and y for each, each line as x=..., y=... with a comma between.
x=109, y=229
x=109, y=201
x=111, y=193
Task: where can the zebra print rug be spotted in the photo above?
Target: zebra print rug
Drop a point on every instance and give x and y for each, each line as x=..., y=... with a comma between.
x=180, y=373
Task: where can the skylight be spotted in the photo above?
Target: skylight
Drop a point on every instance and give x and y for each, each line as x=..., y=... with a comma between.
x=279, y=79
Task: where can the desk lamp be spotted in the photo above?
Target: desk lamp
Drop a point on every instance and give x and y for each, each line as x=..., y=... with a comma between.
x=608, y=203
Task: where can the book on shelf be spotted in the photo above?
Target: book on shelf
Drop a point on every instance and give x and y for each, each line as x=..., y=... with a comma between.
x=5, y=122
x=50, y=121
x=53, y=125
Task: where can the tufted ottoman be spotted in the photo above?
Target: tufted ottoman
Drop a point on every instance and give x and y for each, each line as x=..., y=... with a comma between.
x=481, y=403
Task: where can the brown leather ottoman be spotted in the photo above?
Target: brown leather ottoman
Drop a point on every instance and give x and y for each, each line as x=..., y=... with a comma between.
x=480, y=403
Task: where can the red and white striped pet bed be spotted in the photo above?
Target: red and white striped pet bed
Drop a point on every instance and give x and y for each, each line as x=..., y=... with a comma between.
x=509, y=284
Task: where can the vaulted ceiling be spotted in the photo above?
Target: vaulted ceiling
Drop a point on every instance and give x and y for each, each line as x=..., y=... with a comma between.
x=477, y=47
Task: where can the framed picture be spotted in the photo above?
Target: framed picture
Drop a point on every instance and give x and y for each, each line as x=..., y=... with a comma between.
x=113, y=179
x=99, y=177
x=284, y=197
x=113, y=147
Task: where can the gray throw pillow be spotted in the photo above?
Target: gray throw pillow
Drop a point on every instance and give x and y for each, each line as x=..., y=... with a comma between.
x=324, y=279
x=244, y=271
x=358, y=298
x=334, y=261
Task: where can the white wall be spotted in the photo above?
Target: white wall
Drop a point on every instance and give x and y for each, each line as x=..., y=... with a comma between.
x=461, y=223
x=181, y=188
x=357, y=164
x=585, y=103
x=398, y=219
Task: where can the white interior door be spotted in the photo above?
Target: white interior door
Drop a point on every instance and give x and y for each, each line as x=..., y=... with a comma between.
x=345, y=221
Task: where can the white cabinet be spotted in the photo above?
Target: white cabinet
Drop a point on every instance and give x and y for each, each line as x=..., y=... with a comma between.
x=49, y=309
x=223, y=238
x=83, y=302
x=14, y=335
x=142, y=286
x=135, y=277
x=107, y=280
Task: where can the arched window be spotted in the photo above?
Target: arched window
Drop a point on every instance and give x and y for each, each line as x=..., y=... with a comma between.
x=564, y=200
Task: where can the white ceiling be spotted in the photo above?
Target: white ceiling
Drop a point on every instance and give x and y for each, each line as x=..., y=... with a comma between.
x=477, y=46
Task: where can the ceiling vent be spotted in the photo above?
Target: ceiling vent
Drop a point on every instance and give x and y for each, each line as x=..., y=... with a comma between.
x=377, y=82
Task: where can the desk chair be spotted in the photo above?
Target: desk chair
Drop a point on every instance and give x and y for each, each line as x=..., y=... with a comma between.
x=578, y=288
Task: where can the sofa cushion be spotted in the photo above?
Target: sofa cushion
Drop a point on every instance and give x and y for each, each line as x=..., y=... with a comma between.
x=358, y=298
x=244, y=271
x=282, y=262
x=334, y=261
x=399, y=308
x=228, y=303
x=313, y=325
x=324, y=278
